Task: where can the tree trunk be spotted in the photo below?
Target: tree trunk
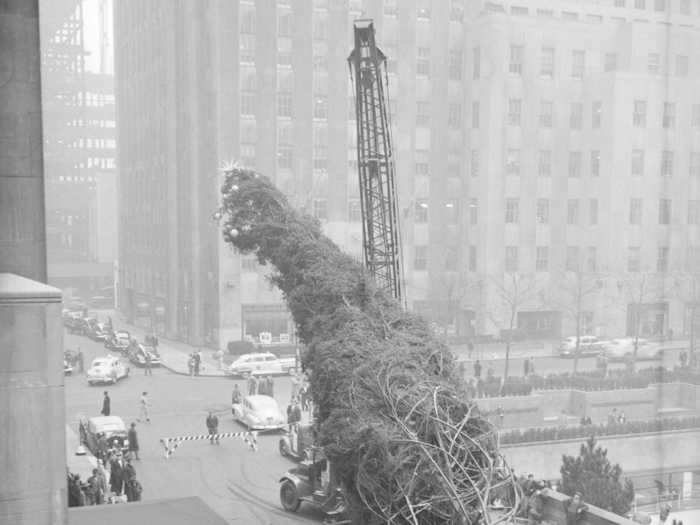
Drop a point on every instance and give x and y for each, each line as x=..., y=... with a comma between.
x=509, y=340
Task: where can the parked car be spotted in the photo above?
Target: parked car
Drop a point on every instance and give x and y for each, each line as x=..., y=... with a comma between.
x=622, y=349
x=118, y=341
x=67, y=368
x=98, y=332
x=138, y=356
x=112, y=427
x=107, y=369
x=259, y=413
x=263, y=363
x=589, y=345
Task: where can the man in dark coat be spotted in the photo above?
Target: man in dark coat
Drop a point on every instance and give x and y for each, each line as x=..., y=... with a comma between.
x=213, y=427
x=129, y=475
x=535, y=507
x=575, y=510
x=106, y=405
x=116, y=476
x=133, y=441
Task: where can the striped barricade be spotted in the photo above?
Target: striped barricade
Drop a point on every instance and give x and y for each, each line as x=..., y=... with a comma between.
x=171, y=443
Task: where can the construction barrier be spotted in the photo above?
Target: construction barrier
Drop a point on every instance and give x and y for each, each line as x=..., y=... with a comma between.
x=170, y=444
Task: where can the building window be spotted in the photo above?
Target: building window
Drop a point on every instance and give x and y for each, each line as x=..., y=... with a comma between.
x=512, y=211
x=473, y=211
x=640, y=4
x=634, y=258
x=451, y=258
x=422, y=162
x=247, y=20
x=572, y=259
x=593, y=211
x=578, y=63
x=596, y=112
x=695, y=116
x=320, y=157
x=472, y=258
x=595, y=163
x=354, y=210
x=284, y=157
x=452, y=212
x=592, y=259
x=248, y=155
x=247, y=48
x=637, y=167
x=546, y=113
x=610, y=61
x=475, y=115
x=455, y=65
x=574, y=164
x=639, y=116
x=423, y=62
x=635, y=211
x=664, y=211
x=659, y=5
x=420, y=259
x=320, y=107
x=694, y=212
x=662, y=259
x=320, y=209
x=320, y=26
x=653, y=63
x=666, y=163
x=681, y=65
x=685, y=7
x=572, y=212
x=542, y=258
x=692, y=262
x=423, y=114
x=694, y=166
x=576, y=117
x=475, y=163
x=547, y=64
x=247, y=103
x=476, y=63
x=515, y=64
x=513, y=162
x=511, y=261
x=669, y=118
x=284, y=104
x=543, y=211
x=421, y=211
x=284, y=23
x=454, y=170
x=454, y=116
x=544, y=165
x=514, y=109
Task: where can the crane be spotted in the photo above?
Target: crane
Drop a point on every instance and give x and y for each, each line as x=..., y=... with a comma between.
x=378, y=199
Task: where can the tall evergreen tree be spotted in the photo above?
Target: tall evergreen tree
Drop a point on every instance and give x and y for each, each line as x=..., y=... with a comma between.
x=600, y=482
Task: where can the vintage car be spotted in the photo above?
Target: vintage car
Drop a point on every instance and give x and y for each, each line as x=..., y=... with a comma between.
x=108, y=369
x=138, y=356
x=113, y=428
x=119, y=341
x=622, y=349
x=589, y=345
x=98, y=332
x=259, y=413
x=310, y=482
x=263, y=363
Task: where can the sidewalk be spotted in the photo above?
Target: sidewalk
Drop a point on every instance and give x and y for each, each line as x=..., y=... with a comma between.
x=174, y=355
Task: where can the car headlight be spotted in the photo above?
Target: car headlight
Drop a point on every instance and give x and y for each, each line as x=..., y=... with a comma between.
x=126, y=442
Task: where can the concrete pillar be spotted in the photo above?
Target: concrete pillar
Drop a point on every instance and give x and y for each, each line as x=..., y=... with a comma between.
x=32, y=441
x=22, y=226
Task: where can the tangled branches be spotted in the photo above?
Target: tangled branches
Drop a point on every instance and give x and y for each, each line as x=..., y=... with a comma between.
x=403, y=440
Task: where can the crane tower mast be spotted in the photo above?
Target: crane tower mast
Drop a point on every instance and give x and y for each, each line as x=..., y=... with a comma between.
x=378, y=199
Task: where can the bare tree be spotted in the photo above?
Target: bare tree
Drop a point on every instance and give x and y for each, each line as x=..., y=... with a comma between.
x=576, y=289
x=514, y=291
x=455, y=288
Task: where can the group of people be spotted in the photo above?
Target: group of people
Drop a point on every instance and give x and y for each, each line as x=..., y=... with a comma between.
x=261, y=385
x=615, y=417
x=113, y=485
x=533, y=503
x=194, y=363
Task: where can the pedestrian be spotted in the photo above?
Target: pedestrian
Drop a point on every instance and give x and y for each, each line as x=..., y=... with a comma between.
x=575, y=510
x=197, y=362
x=256, y=385
x=136, y=489
x=220, y=358
x=102, y=483
x=147, y=371
x=501, y=415
x=213, y=428
x=622, y=419
x=93, y=488
x=190, y=365
x=684, y=358
x=236, y=397
x=535, y=507
x=129, y=477
x=526, y=367
x=116, y=476
x=532, y=365
x=477, y=369
x=133, y=441
x=470, y=349
x=270, y=386
x=143, y=408
x=81, y=361
x=296, y=385
x=106, y=405
x=612, y=417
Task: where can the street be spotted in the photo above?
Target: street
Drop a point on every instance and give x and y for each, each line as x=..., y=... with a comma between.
x=240, y=484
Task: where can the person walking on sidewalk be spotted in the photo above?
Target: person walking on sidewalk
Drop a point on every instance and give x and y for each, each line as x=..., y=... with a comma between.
x=197, y=362
x=213, y=428
x=133, y=442
x=236, y=397
x=106, y=405
x=81, y=361
x=147, y=369
x=190, y=364
x=143, y=408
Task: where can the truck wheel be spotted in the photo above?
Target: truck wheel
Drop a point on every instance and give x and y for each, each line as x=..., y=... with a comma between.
x=289, y=497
